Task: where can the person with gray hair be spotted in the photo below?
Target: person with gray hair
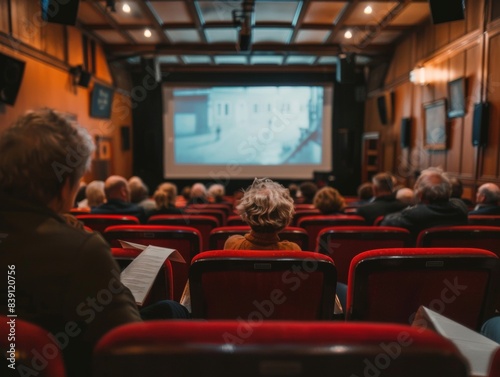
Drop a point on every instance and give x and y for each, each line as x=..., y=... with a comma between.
x=487, y=200
x=139, y=193
x=94, y=195
x=66, y=279
x=198, y=194
x=217, y=192
x=434, y=206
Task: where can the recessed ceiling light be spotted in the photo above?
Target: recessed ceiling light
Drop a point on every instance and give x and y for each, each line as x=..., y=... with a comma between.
x=348, y=34
x=126, y=8
x=368, y=10
x=147, y=33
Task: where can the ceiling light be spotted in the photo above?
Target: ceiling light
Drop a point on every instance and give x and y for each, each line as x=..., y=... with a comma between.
x=147, y=33
x=368, y=10
x=126, y=8
x=419, y=76
x=348, y=34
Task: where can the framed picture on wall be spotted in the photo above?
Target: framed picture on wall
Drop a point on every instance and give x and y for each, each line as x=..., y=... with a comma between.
x=456, y=96
x=435, y=125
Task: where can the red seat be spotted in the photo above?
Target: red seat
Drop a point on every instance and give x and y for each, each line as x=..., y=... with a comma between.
x=208, y=211
x=163, y=286
x=186, y=240
x=100, y=222
x=218, y=236
x=389, y=285
x=314, y=224
x=483, y=237
x=275, y=348
x=226, y=207
x=79, y=211
x=235, y=220
x=299, y=214
x=495, y=365
x=342, y=243
x=35, y=351
x=265, y=284
x=204, y=224
x=487, y=220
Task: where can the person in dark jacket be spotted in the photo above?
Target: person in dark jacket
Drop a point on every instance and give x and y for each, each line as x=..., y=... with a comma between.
x=487, y=200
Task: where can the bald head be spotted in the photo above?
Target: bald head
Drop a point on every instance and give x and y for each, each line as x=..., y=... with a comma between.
x=432, y=186
x=405, y=195
x=489, y=193
x=116, y=187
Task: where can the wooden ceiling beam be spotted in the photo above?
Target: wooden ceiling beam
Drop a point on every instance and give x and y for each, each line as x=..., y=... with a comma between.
x=145, y=7
x=111, y=21
x=340, y=21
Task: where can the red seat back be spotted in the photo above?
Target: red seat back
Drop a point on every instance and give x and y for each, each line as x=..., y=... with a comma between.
x=275, y=348
x=262, y=284
x=186, y=240
x=389, y=285
x=205, y=210
x=487, y=220
x=342, y=243
x=235, y=220
x=100, y=222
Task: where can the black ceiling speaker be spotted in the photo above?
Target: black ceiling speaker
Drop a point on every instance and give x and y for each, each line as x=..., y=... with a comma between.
x=60, y=12
x=480, y=123
x=447, y=10
x=11, y=76
x=405, y=132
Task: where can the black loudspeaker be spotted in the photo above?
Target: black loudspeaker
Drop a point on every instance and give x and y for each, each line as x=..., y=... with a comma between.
x=60, y=12
x=346, y=69
x=84, y=79
x=125, y=133
x=480, y=124
x=405, y=132
x=447, y=10
x=11, y=76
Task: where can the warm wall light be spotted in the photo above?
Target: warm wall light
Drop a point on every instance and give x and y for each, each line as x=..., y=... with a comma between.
x=147, y=33
x=419, y=76
x=368, y=10
x=348, y=34
x=126, y=8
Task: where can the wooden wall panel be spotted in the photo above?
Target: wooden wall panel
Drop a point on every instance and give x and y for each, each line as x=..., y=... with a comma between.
x=474, y=14
x=26, y=22
x=457, y=29
x=442, y=33
x=75, y=51
x=53, y=40
x=102, y=69
x=4, y=16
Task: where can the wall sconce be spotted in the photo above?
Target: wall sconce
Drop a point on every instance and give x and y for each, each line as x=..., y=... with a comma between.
x=419, y=76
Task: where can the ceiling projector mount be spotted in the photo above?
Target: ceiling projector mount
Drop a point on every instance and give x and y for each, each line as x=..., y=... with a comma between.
x=243, y=20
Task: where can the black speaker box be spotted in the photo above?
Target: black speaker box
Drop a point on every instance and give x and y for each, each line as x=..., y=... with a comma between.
x=60, y=12
x=84, y=79
x=346, y=70
x=480, y=124
x=405, y=132
x=125, y=133
x=11, y=76
x=446, y=10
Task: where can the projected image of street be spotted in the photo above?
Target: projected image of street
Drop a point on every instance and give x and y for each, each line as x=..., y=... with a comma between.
x=248, y=125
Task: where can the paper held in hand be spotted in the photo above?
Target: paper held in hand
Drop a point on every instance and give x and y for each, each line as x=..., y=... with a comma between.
x=141, y=273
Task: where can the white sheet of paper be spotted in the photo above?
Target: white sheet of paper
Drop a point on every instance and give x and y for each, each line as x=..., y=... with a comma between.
x=174, y=255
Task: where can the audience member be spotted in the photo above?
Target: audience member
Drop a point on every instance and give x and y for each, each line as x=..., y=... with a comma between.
x=406, y=195
x=95, y=195
x=487, y=200
x=307, y=191
x=365, y=195
x=216, y=193
x=293, y=189
x=80, y=195
x=457, y=190
x=139, y=194
x=164, y=198
x=329, y=201
x=66, y=279
x=198, y=194
x=118, y=199
x=384, y=201
x=491, y=329
x=434, y=206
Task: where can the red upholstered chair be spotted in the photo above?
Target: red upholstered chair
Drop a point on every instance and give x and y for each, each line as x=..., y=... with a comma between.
x=207, y=211
x=275, y=348
x=342, y=243
x=226, y=207
x=36, y=352
x=495, y=365
x=483, y=237
x=218, y=236
x=79, y=211
x=204, y=224
x=389, y=285
x=487, y=220
x=268, y=284
x=303, y=213
x=235, y=220
x=186, y=240
x=100, y=222
x=314, y=224
x=163, y=287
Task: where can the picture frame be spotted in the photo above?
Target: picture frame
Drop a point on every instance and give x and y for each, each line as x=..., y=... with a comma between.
x=435, y=125
x=456, y=95
x=103, y=147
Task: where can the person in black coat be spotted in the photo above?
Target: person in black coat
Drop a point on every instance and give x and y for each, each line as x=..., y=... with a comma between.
x=487, y=199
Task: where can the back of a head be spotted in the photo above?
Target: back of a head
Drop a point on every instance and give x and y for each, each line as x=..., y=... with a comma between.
x=170, y=190
x=365, y=191
x=490, y=193
x=40, y=153
x=432, y=186
x=95, y=193
x=405, y=195
x=383, y=184
x=116, y=187
x=457, y=188
x=198, y=190
x=308, y=190
x=138, y=189
x=216, y=191
x=266, y=206
x=328, y=200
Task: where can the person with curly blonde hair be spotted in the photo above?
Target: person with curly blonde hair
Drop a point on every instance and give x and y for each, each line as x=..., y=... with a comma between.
x=329, y=201
x=268, y=208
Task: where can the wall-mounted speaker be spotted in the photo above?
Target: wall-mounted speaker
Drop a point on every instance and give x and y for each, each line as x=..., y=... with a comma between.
x=60, y=12
x=346, y=69
x=384, y=107
x=11, y=76
x=480, y=124
x=405, y=132
x=447, y=10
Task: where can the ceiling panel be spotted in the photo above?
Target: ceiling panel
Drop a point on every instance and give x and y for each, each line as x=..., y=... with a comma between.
x=379, y=11
x=328, y=60
x=413, y=14
x=300, y=59
x=139, y=36
x=183, y=35
x=111, y=36
x=265, y=35
x=135, y=17
x=322, y=12
x=267, y=59
x=277, y=11
x=236, y=59
x=217, y=11
x=196, y=59
x=386, y=37
x=168, y=59
x=88, y=15
x=217, y=35
x=172, y=12
x=311, y=36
